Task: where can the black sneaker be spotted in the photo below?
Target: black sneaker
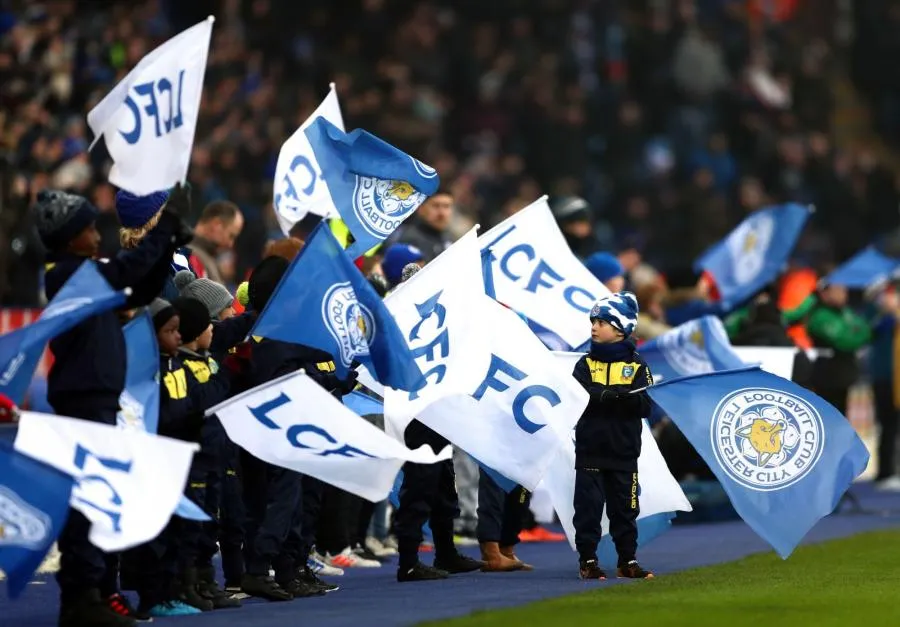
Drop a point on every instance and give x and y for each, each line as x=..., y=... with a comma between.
x=90, y=609
x=589, y=569
x=299, y=589
x=633, y=570
x=366, y=554
x=220, y=599
x=264, y=587
x=307, y=576
x=458, y=563
x=421, y=572
x=233, y=591
x=120, y=604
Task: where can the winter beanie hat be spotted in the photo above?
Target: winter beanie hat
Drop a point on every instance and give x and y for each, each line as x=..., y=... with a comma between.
x=619, y=309
x=604, y=266
x=409, y=271
x=264, y=280
x=136, y=211
x=398, y=257
x=161, y=311
x=61, y=217
x=193, y=318
x=214, y=296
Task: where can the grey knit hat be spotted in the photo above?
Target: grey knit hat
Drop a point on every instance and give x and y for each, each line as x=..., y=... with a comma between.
x=214, y=296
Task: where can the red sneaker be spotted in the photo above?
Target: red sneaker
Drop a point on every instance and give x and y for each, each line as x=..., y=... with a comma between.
x=540, y=534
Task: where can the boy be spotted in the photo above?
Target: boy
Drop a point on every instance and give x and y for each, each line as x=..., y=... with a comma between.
x=608, y=437
x=88, y=372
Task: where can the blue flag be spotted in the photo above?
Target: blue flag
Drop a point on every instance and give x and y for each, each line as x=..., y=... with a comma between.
x=324, y=302
x=695, y=347
x=754, y=253
x=373, y=185
x=487, y=269
x=140, y=399
x=784, y=456
x=85, y=294
x=34, y=502
x=865, y=268
x=362, y=404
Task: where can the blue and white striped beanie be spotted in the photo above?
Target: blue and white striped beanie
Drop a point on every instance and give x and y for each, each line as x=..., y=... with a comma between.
x=619, y=309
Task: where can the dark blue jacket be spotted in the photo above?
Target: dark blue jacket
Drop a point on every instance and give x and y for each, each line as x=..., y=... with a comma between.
x=608, y=435
x=271, y=359
x=88, y=371
x=229, y=333
x=184, y=398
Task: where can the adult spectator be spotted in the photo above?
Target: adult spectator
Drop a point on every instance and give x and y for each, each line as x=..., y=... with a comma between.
x=219, y=226
x=429, y=230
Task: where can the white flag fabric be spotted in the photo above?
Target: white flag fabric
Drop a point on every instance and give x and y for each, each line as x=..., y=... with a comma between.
x=148, y=120
x=298, y=188
x=128, y=482
x=514, y=420
x=438, y=312
x=294, y=423
x=778, y=360
x=659, y=491
x=537, y=275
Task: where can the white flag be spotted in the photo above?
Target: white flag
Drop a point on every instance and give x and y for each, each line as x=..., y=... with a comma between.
x=537, y=275
x=514, y=419
x=294, y=423
x=128, y=481
x=149, y=118
x=299, y=188
x=438, y=311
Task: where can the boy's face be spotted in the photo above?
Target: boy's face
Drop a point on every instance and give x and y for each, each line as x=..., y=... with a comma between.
x=603, y=332
x=225, y=314
x=205, y=339
x=86, y=243
x=168, y=337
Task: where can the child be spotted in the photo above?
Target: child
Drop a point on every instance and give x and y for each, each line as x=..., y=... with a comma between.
x=608, y=437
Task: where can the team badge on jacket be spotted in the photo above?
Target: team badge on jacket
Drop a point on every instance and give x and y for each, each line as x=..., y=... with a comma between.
x=351, y=324
x=21, y=525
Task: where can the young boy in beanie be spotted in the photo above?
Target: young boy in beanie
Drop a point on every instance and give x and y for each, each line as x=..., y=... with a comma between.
x=608, y=437
x=88, y=373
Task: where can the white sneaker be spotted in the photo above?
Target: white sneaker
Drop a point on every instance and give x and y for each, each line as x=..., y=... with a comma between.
x=348, y=559
x=378, y=549
x=391, y=543
x=319, y=568
x=891, y=484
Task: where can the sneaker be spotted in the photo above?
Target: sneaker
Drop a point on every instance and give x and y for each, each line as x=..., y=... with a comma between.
x=391, y=543
x=235, y=592
x=120, y=604
x=316, y=563
x=348, y=559
x=421, y=572
x=633, y=570
x=889, y=484
x=308, y=576
x=464, y=540
x=589, y=569
x=300, y=589
x=426, y=547
x=540, y=534
x=220, y=599
x=90, y=609
x=173, y=608
x=458, y=564
x=366, y=554
x=264, y=588
x=378, y=548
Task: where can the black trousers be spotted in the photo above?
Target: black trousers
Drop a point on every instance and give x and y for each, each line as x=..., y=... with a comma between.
x=427, y=494
x=886, y=414
x=500, y=514
x=618, y=491
x=271, y=495
x=151, y=569
x=338, y=519
x=225, y=531
x=193, y=542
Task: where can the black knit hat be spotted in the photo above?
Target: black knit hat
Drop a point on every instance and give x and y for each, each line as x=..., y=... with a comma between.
x=161, y=311
x=193, y=318
x=264, y=280
x=60, y=217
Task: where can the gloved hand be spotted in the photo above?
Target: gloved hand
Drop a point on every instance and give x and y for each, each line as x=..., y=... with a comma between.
x=179, y=206
x=349, y=383
x=603, y=394
x=8, y=410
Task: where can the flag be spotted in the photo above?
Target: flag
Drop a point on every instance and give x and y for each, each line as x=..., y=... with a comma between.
x=867, y=267
x=324, y=302
x=85, y=294
x=292, y=422
x=34, y=502
x=535, y=273
x=754, y=253
x=362, y=404
x=487, y=271
x=148, y=119
x=299, y=186
x=695, y=347
x=784, y=456
x=373, y=185
x=128, y=482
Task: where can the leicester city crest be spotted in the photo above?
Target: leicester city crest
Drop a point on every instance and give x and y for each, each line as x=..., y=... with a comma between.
x=21, y=525
x=381, y=205
x=350, y=323
x=748, y=246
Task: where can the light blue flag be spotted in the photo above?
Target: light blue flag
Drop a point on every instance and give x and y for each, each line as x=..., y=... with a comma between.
x=373, y=185
x=695, y=347
x=324, y=302
x=784, y=456
x=85, y=294
x=866, y=268
x=649, y=529
x=362, y=404
x=754, y=253
x=34, y=503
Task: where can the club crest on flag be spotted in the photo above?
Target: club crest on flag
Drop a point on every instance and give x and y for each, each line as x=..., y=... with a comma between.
x=381, y=205
x=685, y=349
x=749, y=248
x=21, y=525
x=766, y=439
x=350, y=323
